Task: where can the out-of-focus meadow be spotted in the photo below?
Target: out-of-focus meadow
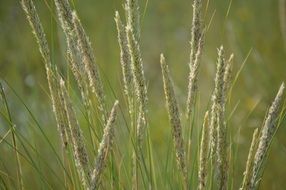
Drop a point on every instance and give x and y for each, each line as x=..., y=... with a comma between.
x=245, y=27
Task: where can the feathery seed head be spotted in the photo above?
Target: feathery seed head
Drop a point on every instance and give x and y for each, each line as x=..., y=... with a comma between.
x=79, y=149
x=193, y=78
x=133, y=17
x=58, y=106
x=217, y=100
x=139, y=82
x=51, y=72
x=137, y=69
x=266, y=136
x=104, y=148
x=221, y=150
x=227, y=75
x=196, y=50
x=90, y=67
x=203, y=167
x=174, y=117
x=37, y=29
x=125, y=58
x=249, y=164
x=65, y=15
x=219, y=82
x=196, y=31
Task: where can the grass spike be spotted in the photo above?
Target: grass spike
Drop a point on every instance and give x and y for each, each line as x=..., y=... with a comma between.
x=89, y=63
x=249, y=163
x=79, y=148
x=193, y=78
x=267, y=132
x=204, y=149
x=174, y=117
x=125, y=60
x=104, y=148
x=40, y=36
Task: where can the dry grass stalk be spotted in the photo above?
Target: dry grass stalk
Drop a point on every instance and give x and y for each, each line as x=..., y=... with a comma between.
x=218, y=125
x=65, y=15
x=89, y=64
x=75, y=57
x=222, y=162
x=104, y=148
x=174, y=117
x=193, y=78
x=79, y=149
x=139, y=80
x=58, y=105
x=82, y=61
x=40, y=36
x=266, y=136
x=217, y=99
x=249, y=164
x=133, y=36
x=196, y=31
x=218, y=155
x=133, y=39
x=204, y=150
x=195, y=56
x=37, y=29
x=133, y=17
x=227, y=75
x=125, y=60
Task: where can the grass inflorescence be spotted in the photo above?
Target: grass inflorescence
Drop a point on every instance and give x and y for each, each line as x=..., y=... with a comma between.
x=96, y=155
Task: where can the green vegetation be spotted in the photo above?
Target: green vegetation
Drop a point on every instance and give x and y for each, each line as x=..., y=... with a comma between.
x=98, y=142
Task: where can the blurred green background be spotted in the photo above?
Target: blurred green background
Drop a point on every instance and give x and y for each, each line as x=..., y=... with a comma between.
x=250, y=26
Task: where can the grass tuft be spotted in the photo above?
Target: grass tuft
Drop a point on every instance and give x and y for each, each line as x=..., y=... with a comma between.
x=204, y=156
